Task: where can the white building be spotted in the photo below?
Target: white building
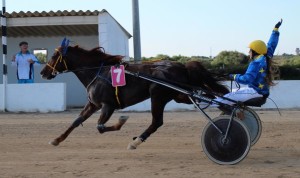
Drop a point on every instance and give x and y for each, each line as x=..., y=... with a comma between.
x=47, y=29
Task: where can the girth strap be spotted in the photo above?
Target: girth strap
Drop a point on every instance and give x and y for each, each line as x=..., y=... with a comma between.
x=109, y=81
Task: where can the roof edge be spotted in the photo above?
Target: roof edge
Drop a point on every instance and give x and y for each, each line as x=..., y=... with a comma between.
x=52, y=13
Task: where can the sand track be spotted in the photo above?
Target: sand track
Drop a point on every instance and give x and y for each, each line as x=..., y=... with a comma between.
x=173, y=151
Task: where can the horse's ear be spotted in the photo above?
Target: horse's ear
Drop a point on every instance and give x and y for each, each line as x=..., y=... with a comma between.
x=59, y=48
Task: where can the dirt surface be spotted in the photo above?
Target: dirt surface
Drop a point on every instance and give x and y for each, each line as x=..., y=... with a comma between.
x=173, y=151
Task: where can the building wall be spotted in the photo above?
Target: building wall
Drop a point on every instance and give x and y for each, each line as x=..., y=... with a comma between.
x=111, y=37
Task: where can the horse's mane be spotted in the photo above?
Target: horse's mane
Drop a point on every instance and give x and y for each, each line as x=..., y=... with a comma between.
x=99, y=54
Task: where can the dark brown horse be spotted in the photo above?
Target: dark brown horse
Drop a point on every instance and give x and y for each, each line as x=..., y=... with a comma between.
x=93, y=69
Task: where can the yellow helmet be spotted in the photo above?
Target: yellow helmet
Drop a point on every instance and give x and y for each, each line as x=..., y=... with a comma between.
x=258, y=46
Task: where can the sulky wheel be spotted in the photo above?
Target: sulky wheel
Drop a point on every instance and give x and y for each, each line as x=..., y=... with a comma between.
x=253, y=123
x=230, y=150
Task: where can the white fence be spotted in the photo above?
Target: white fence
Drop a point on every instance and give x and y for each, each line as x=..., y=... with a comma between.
x=51, y=97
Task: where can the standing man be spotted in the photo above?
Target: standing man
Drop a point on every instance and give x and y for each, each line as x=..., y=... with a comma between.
x=24, y=61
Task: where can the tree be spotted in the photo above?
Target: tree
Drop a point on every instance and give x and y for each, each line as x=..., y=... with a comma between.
x=41, y=57
x=229, y=58
x=294, y=61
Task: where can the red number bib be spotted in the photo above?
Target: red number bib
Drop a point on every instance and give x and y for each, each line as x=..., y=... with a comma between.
x=118, y=76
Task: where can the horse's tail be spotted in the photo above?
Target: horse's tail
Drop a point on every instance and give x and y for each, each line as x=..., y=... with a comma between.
x=199, y=76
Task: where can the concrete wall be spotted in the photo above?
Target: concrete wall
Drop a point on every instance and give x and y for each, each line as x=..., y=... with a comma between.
x=285, y=94
x=37, y=97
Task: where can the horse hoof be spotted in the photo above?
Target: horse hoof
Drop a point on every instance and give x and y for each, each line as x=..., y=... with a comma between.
x=54, y=142
x=123, y=118
x=131, y=147
x=101, y=128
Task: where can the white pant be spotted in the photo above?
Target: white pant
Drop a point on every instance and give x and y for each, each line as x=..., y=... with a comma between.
x=242, y=94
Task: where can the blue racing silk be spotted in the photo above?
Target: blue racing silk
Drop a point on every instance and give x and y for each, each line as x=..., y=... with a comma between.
x=256, y=71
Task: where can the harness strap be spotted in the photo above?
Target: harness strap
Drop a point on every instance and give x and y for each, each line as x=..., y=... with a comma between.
x=117, y=95
x=106, y=79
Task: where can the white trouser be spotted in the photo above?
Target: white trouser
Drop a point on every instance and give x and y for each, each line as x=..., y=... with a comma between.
x=242, y=94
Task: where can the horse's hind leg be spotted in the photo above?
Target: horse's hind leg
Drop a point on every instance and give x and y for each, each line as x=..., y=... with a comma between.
x=106, y=113
x=88, y=110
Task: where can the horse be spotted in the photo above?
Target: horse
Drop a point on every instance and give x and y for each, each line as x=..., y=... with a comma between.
x=92, y=68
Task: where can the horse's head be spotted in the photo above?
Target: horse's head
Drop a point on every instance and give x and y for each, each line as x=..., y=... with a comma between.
x=57, y=64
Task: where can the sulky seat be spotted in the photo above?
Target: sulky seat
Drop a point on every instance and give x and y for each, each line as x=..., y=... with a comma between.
x=257, y=102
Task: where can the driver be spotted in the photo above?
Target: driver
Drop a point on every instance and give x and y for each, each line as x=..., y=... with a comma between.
x=260, y=72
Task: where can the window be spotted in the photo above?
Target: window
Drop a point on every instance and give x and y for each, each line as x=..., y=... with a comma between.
x=41, y=54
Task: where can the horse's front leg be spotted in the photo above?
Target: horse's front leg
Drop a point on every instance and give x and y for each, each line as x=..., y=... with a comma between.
x=88, y=110
x=106, y=113
x=157, y=109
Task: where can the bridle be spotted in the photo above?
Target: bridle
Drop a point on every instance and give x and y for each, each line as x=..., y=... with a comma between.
x=60, y=59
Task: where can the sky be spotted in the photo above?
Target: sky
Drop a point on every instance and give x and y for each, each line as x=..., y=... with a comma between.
x=191, y=27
